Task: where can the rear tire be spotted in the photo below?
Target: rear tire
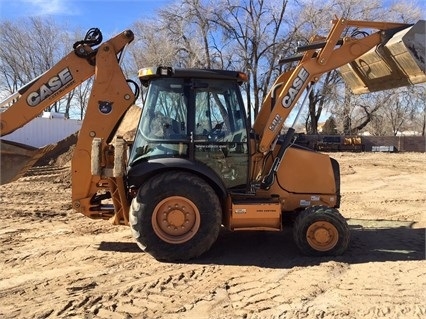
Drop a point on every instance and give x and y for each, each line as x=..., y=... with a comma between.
x=321, y=231
x=176, y=216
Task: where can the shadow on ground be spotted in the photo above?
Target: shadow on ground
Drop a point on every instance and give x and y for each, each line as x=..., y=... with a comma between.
x=371, y=241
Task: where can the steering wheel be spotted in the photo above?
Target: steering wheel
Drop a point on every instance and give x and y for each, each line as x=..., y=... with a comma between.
x=216, y=133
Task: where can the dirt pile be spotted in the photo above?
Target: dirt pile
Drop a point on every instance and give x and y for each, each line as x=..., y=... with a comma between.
x=61, y=154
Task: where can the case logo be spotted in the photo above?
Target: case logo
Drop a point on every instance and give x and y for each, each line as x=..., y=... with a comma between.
x=295, y=88
x=52, y=86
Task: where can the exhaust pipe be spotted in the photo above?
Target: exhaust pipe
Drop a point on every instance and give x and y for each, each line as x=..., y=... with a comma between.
x=398, y=62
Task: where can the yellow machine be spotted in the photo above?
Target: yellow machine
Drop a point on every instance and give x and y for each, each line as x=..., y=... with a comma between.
x=194, y=164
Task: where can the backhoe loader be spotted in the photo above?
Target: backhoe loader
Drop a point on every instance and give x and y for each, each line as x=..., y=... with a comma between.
x=195, y=165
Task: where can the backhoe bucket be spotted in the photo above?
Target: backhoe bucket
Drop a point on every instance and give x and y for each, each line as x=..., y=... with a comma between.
x=16, y=159
x=399, y=62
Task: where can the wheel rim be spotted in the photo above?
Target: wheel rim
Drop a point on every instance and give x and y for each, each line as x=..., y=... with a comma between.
x=322, y=236
x=176, y=219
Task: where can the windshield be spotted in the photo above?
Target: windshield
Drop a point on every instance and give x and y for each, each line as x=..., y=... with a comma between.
x=162, y=129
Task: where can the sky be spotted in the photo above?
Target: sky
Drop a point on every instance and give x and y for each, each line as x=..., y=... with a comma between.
x=111, y=16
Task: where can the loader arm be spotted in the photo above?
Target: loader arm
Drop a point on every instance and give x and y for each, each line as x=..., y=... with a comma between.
x=321, y=56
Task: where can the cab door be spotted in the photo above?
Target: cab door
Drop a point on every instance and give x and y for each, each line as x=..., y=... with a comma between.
x=219, y=131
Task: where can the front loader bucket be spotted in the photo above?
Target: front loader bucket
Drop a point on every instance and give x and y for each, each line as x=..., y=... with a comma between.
x=399, y=62
x=16, y=159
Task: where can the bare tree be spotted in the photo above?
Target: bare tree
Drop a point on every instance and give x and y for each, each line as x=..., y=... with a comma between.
x=241, y=35
x=180, y=37
x=258, y=30
x=188, y=25
x=387, y=113
x=29, y=48
x=152, y=45
x=316, y=21
x=358, y=111
x=419, y=118
x=329, y=93
x=251, y=36
x=81, y=98
x=172, y=39
x=200, y=15
x=377, y=126
x=321, y=98
x=400, y=109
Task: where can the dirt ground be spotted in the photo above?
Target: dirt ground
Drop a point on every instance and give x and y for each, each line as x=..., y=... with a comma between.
x=57, y=264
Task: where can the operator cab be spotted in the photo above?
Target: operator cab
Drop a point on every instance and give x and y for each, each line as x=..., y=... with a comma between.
x=197, y=115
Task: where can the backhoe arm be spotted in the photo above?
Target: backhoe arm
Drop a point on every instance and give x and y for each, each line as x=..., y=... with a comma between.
x=51, y=86
x=322, y=55
x=110, y=98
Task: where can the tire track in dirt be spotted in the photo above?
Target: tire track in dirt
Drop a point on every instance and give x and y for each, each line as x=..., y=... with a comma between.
x=360, y=285
x=58, y=264
x=144, y=297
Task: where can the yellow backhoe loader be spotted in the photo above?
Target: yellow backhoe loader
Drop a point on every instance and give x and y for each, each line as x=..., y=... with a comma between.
x=194, y=165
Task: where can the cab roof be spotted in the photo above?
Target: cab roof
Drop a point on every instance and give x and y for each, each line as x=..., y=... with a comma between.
x=147, y=74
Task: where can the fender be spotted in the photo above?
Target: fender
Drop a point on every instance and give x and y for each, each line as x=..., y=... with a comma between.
x=143, y=170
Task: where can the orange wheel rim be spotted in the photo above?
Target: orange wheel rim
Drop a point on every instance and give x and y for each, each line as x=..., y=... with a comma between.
x=176, y=219
x=322, y=236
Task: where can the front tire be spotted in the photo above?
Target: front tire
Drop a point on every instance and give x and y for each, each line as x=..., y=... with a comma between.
x=176, y=216
x=321, y=231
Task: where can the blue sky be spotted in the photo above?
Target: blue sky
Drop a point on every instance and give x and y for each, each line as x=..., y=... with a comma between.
x=111, y=16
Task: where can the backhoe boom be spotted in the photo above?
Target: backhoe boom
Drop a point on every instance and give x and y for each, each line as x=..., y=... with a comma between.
x=110, y=97
x=51, y=86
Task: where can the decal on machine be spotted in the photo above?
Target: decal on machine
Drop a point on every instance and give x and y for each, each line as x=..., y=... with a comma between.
x=304, y=202
x=53, y=86
x=275, y=122
x=105, y=107
x=296, y=86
